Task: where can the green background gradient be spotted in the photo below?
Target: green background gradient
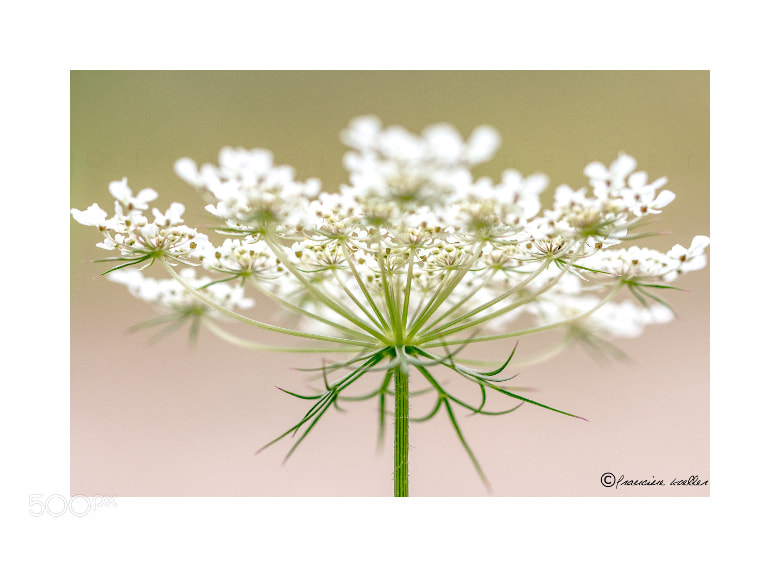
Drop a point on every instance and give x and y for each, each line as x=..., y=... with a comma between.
x=165, y=419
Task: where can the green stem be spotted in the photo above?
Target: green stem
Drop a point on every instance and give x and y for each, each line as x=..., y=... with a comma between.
x=401, y=429
x=238, y=341
x=529, y=330
x=260, y=325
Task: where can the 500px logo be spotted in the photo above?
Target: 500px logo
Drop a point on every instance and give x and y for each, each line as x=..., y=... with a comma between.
x=58, y=505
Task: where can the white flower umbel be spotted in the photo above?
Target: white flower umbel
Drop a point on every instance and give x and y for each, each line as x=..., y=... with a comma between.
x=138, y=239
x=176, y=303
x=407, y=264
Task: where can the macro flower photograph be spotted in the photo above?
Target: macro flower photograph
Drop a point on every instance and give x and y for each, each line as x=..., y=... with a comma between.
x=390, y=283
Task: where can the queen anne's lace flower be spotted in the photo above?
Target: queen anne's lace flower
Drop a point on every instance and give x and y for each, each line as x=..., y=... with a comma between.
x=253, y=195
x=410, y=260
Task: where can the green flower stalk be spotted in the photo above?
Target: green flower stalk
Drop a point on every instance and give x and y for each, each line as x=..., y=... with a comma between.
x=402, y=268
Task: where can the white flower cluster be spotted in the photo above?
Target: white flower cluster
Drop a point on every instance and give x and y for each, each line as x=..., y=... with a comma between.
x=637, y=264
x=172, y=296
x=137, y=238
x=414, y=250
x=252, y=194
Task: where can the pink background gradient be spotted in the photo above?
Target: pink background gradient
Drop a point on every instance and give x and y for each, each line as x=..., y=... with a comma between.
x=167, y=419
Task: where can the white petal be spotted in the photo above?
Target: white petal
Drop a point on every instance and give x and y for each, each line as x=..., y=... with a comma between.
x=149, y=231
x=563, y=194
x=658, y=183
x=444, y=141
x=231, y=158
x=187, y=169
x=129, y=277
x=596, y=170
x=174, y=213
x=663, y=199
x=398, y=143
x=120, y=191
x=260, y=161
x=699, y=243
x=622, y=166
x=637, y=180
x=536, y=183
x=362, y=132
x=659, y=314
x=312, y=187
x=93, y=216
x=694, y=263
x=511, y=178
x=146, y=195
x=483, y=144
x=676, y=251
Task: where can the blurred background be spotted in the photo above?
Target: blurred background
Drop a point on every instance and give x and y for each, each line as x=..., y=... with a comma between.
x=169, y=419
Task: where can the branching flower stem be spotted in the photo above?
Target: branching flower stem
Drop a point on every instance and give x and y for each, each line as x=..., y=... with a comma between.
x=408, y=286
x=445, y=330
x=382, y=322
x=485, y=281
x=447, y=287
x=244, y=343
x=300, y=311
x=439, y=331
x=260, y=325
x=326, y=300
x=531, y=330
x=392, y=313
